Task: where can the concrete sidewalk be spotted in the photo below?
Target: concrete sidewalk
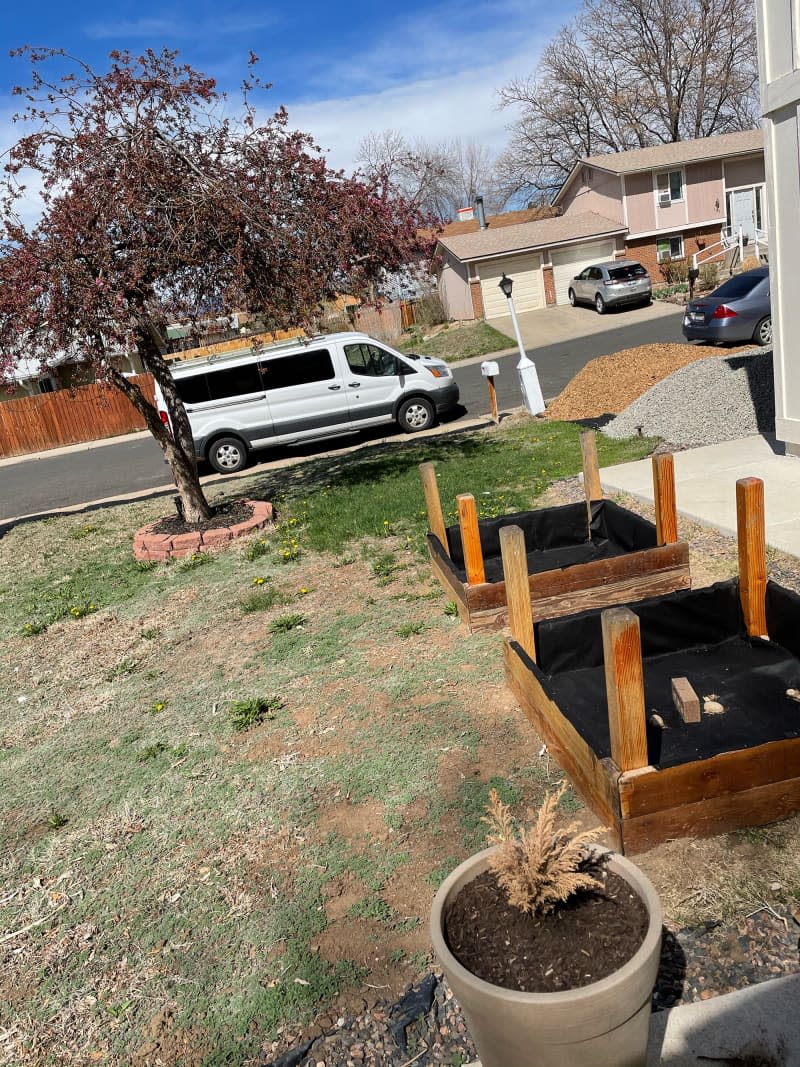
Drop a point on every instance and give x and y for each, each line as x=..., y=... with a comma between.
x=758, y=1026
x=705, y=485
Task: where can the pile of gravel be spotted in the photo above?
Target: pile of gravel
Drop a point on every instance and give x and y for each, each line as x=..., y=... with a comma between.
x=705, y=402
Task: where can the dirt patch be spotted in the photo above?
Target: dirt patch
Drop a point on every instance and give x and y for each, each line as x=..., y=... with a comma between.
x=608, y=384
x=164, y=1044
x=355, y=821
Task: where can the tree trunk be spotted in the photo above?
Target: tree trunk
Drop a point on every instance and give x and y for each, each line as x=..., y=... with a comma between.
x=181, y=460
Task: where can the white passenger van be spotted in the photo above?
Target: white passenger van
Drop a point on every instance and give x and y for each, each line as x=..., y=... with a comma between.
x=301, y=390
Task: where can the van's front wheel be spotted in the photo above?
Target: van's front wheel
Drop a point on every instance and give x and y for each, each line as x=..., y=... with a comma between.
x=416, y=414
x=228, y=455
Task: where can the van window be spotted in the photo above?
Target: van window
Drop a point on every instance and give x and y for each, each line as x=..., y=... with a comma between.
x=370, y=360
x=193, y=390
x=300, y=369
x=234, y=381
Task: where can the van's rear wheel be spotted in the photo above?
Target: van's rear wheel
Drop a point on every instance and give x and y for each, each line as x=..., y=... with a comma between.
x=416, y=414
x=228, y=455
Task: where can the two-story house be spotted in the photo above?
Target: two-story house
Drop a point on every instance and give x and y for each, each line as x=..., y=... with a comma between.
x=650, y=204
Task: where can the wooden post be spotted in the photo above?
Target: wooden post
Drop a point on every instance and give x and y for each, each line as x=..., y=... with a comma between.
x=622, y=651
x=518, y=593
x=433, y=502
x=591, y=472
x=664, y=497
x=470, y=539
x=492, y=397
x=752, y=554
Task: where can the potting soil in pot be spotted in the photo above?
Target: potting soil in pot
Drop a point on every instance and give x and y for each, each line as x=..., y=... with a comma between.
x=559, y=537
x=583, y=940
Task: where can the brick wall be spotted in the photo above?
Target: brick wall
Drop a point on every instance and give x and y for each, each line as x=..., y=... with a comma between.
x=644, y=250
x=477, y=298
x=549, y=285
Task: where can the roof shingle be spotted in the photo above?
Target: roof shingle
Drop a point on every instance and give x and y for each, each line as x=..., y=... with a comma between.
x=677, y=152
x=541, y=233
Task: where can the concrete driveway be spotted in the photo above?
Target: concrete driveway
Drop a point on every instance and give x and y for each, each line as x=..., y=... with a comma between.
x=550, y=325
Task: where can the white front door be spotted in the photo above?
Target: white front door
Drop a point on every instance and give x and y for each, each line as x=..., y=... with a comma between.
x=743, y=212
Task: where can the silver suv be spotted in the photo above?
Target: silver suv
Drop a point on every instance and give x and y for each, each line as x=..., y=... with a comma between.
x=620, y=281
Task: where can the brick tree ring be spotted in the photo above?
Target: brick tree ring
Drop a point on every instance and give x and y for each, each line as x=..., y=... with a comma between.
x=148, y=545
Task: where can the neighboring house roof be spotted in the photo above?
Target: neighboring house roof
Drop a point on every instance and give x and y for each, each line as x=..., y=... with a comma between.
x=508, y=218
x=542, y=233
x=676, y=153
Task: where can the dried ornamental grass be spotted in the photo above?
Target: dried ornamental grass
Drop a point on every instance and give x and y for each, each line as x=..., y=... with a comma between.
x=539, y=866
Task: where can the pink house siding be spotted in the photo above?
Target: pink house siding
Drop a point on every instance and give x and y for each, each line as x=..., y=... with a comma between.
x=744, y=172
x=454, y=291
x=641, y=202
x=704, y=193
x=604, y=197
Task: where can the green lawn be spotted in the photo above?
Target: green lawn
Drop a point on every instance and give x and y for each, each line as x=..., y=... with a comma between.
x=458, y=343
x=230, y=785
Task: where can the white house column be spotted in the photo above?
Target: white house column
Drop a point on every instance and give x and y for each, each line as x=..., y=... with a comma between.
x=779, y=70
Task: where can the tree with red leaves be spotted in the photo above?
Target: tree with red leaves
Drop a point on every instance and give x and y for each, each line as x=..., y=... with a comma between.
x=159, y=203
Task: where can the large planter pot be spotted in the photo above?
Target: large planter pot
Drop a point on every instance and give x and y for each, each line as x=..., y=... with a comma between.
x=604, y=1024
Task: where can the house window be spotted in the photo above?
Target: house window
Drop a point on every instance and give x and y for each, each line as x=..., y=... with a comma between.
x=670, y=248
x=670, y=187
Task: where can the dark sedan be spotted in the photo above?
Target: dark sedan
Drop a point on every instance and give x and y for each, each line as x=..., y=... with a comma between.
x=739, y=310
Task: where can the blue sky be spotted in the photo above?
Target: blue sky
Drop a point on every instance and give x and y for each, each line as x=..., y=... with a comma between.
x=430, y=70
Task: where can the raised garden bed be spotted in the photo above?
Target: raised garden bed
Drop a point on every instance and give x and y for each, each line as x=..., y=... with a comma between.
x=577, y=556
x=598, y=687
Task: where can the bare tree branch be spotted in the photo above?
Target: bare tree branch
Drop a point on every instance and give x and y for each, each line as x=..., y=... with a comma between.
x=626, y=74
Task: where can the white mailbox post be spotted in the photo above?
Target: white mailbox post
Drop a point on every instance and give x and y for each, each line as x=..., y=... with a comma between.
x=490, y=370
x=528, y=378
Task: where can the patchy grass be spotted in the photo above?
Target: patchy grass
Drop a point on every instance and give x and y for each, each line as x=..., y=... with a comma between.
x=215, y=822
x=454, y=344
x=336, y=502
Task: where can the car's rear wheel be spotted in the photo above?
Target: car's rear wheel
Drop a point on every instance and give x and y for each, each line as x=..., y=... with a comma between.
x=571, y=295
x=228, y=455
x=763, y=332
x=416, y=414
x=599, y=304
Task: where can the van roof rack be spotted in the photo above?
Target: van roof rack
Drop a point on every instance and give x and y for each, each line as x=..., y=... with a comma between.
x=175, y=360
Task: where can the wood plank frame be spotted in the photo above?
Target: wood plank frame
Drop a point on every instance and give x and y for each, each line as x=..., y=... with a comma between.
x=600, y=583
x=644, y=807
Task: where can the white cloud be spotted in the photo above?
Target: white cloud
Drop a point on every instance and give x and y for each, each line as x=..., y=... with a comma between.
x=433, y=75
x=180, y=27
x=460, y=105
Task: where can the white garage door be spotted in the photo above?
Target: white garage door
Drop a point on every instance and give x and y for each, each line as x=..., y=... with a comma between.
x=526, y=272
x=570, y=261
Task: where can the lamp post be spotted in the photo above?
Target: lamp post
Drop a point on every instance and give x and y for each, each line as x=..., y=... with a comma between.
x=528, y=378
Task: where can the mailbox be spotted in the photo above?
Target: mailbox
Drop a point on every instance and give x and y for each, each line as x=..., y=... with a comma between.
x=490, y=369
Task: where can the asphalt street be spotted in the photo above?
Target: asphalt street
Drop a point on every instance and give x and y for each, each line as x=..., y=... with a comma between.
x=51, y=482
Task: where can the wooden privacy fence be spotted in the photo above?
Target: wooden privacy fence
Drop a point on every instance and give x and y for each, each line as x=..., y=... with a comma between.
x=68, y=417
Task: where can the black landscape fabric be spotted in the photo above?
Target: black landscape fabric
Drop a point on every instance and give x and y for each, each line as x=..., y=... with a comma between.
x=558, y=537
x=695, y=634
